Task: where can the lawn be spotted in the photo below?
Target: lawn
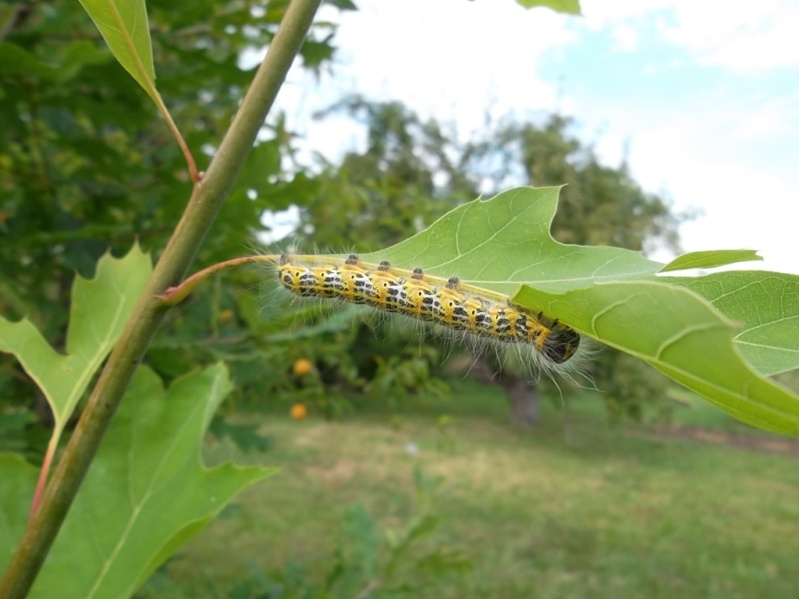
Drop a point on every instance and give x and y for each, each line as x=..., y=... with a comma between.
x=614, y=512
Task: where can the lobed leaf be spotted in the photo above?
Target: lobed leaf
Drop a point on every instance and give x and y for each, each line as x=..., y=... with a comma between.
x=685, y=327
x=100, y=308
x=765, y=306
x=500, y=243
x=146, y=493
x=680, y=334
x=19, y=480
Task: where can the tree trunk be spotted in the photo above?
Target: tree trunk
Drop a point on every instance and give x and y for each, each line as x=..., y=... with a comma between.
x=523, y=400
x=522, y=395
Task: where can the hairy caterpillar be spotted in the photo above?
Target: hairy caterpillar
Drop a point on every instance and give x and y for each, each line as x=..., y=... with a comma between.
x=449, y=303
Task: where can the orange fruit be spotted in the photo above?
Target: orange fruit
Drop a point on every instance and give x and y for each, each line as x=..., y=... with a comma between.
x=302, y=367
x=299, y=411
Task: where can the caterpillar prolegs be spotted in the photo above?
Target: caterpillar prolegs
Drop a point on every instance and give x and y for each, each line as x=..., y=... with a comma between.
x=449, y=303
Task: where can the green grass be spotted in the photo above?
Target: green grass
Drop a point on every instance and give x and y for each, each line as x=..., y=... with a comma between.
x=611, y=513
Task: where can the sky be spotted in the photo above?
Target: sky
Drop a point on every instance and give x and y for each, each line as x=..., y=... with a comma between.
x=701, y=97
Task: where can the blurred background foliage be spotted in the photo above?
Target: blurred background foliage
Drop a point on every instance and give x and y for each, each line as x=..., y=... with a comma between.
x=87, y=166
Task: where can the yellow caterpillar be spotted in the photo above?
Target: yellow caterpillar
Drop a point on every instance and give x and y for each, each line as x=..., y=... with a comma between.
x=448, y=303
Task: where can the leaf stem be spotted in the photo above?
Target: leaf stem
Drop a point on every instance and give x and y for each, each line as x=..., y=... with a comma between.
x=45, y=469
x=205, y=202
x=184, y=148
x=178, y=293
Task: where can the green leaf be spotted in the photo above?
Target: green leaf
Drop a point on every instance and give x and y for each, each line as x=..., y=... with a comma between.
x=18, y=61
x=75, y=57
x=566, y=6
x=710, y=259
x=124, y=26
x=503, y=243
x=420, y=527
x=100, y=309
x=71, y=59
x=680, y=334
x=765, y=306
x=500, y=243
x=19, y=480
x=359, y=554
x=146, y=493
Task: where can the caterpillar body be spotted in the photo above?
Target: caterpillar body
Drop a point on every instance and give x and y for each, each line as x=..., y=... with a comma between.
x=449, y=303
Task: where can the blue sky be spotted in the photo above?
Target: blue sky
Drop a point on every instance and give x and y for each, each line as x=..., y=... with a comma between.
x=703, y=96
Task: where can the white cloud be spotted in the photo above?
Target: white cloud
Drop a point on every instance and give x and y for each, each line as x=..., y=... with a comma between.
x=740, y=36
x=735, y=35
x=742, y=205
x=600, y=13
x=625, y=37
x=772, y=117
x=460, y=61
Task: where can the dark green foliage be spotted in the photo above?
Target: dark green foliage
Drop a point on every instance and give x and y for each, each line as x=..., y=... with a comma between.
x=88, y=164
x=245, y=436
x=401, y=183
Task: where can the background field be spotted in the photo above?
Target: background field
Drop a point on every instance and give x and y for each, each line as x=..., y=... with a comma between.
x=612, y=511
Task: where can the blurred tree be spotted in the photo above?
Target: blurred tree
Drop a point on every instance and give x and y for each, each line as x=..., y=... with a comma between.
x=404, y=180
x=599, y=205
